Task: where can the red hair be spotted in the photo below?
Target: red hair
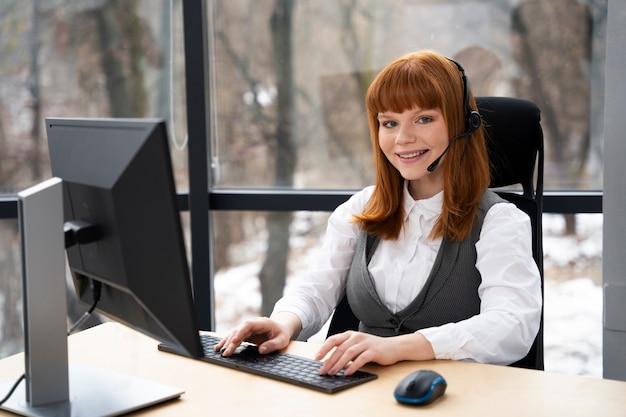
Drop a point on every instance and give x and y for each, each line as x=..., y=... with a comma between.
x=430, y=81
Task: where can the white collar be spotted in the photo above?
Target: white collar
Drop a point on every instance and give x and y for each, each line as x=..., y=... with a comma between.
x=428, y=207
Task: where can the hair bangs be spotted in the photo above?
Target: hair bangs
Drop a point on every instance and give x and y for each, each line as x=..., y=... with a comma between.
x=402, y=87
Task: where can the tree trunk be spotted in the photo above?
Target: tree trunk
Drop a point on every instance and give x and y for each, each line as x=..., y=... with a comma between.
x=120, y=34
x=120, y=41
x=274, y=270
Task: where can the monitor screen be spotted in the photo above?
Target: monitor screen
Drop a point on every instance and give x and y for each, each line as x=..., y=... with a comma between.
x=117, y=179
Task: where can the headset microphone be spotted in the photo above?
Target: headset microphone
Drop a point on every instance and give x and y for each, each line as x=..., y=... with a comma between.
x=472, y=117
x=435, y=164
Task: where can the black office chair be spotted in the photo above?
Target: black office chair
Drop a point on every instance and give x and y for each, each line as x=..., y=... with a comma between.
x=515, y=144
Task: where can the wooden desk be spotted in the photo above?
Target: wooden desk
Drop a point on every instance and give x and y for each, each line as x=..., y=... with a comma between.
x=473, y=389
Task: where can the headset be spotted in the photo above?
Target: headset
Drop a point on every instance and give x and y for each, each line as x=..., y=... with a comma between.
x=472, y=117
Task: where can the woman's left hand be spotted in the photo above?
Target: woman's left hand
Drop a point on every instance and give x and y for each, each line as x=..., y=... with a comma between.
x=351, y=350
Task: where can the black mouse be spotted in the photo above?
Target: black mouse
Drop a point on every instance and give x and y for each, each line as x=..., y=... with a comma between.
x=420, y=388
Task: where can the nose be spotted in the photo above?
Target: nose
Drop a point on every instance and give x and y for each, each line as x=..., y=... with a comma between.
x=405, y=135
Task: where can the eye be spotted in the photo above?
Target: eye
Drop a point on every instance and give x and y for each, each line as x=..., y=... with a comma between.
x=388, y=124
x=423, y=120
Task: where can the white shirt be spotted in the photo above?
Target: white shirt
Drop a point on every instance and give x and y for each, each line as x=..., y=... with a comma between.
x=510, y=290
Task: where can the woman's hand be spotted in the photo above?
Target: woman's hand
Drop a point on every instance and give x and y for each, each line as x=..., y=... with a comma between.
x=268, y=334
x=351, y=350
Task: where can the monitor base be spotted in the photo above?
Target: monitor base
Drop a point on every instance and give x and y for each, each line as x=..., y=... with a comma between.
x=95, y=392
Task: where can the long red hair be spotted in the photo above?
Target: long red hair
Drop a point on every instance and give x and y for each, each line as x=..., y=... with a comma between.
x=430, y=81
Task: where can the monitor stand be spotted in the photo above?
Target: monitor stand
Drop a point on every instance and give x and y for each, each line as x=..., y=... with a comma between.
x=94, y=392
x=51, y=387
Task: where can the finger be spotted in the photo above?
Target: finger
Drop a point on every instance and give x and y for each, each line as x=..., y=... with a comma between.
x=330, y=344
x=342, y=357
x=231, y=342
x=356, y=364
x=219, y=344
x=332, y=351
x=334, y=365
x=228, y=347
x=271, y=345
x=339, y=357
x=223, y=342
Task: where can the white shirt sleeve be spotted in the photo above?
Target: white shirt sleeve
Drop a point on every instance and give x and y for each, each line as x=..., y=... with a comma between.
x=314, y=295
x=510, y=294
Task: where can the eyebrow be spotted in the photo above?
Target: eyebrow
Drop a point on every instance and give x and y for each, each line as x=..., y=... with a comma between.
x=414, y=111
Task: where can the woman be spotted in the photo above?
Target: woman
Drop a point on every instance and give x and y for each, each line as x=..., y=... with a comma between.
x=435, y=266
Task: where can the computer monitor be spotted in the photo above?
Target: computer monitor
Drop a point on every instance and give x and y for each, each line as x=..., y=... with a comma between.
x=112, y=203
x=117, y=178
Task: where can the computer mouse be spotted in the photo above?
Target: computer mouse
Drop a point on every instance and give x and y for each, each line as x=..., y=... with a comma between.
x=420, y=388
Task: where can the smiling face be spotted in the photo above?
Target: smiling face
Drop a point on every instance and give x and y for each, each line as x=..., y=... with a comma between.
x=414, y=106
x=411, y=141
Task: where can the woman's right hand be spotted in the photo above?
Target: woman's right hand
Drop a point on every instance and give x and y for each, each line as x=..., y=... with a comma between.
x=268, y=334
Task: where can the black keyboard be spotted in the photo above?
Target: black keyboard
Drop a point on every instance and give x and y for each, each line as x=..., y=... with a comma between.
x=280, y=366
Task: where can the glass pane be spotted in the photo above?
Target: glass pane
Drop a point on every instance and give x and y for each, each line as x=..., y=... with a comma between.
x=86, y=59
x=288, y=87
x=245, y=251
x=113, y=58
x=11, y=319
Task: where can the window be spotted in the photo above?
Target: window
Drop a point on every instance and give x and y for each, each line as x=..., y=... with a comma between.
x=288, y=81
x=286, y=121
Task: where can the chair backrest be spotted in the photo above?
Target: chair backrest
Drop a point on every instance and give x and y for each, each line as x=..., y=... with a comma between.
x=515, y=144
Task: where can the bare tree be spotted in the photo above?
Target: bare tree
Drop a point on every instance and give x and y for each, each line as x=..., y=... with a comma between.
x=124, y=42
x=120, y=45
x=274, y=271
x=257, y=126
x=35, y=92
x=555, y=60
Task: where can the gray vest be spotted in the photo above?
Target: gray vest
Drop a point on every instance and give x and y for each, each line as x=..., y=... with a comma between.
x=450, y=293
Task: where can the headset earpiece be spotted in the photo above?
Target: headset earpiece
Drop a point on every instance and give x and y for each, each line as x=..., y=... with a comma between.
x=474, y=121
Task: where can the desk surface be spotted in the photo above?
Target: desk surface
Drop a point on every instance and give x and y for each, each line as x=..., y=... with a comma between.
x=473, y=389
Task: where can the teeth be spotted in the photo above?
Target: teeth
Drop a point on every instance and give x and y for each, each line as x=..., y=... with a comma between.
x=412, y=155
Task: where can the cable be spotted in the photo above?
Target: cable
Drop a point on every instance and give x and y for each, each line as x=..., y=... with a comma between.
x=96, y=291
x=6, y=397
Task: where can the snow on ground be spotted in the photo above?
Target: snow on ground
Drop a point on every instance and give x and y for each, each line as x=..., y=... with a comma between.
x=573, y=327
x=572, y=305
x=573, y=296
